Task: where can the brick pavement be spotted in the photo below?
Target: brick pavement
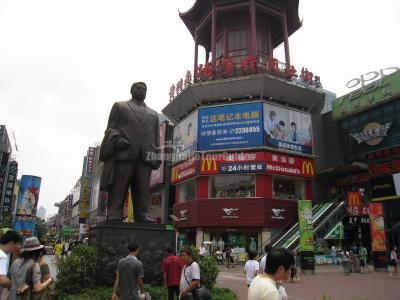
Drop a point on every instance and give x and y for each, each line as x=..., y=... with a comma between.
x=328, y=280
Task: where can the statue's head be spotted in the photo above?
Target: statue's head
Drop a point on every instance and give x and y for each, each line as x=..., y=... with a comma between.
x=138, y=91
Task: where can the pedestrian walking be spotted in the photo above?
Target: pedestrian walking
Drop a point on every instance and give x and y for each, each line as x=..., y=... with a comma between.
x=25, y=272
x=251, y=268
x=393, y=261
x=190, y=277
x=265, y=285
x=293, y=270
x=363, y=259
x=346, y=261
x=263, y=261
x=220, y=257
x=203, y=250
x=10, y=243
x=58, y=250
x=172, y=269
x=334, y=255
x=129, y=279
x=65, y=249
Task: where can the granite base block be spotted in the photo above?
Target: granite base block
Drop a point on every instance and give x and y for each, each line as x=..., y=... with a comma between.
x=111, y=240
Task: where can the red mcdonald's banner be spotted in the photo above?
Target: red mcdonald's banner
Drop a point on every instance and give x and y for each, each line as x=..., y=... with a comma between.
x=377, y=227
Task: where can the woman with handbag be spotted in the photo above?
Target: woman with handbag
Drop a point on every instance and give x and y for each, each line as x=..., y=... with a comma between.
x=25, y=273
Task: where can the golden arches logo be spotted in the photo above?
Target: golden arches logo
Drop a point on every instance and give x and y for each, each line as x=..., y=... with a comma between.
x=211, y=164
x=353, y=199
x=307, y=168
x=174, y=174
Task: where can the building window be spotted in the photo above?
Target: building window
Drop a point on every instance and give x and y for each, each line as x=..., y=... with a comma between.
x=287, y=188
x=187, y=190
x=261, y=43
x=232, y=186
x=237, y=43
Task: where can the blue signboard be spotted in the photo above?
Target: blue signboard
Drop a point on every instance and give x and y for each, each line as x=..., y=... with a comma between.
x=230, y=126
x=242, y=167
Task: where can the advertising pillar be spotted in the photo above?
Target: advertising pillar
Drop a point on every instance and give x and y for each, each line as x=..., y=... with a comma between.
x=27, y=201
x=378, y=237
x=306, y=237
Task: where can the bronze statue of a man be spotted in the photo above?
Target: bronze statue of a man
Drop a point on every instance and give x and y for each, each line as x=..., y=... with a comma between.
x=130, y=151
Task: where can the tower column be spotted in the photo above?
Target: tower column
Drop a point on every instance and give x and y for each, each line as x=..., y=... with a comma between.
x=253, y=26
x=196, y=52
x=269, y=39
x=286, y=38
x=213, y=32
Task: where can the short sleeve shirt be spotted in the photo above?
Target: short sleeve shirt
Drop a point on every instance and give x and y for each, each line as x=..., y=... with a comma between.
x=172, y=267
x=251, y=267
x=4, y=261
x=263, y=288
x=129, y=269
x=189, y=273
x=19, y=274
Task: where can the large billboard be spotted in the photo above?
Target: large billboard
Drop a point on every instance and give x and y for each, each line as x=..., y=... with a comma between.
x=157, y=176
x=230, y=126
x=287, y=129
x=27, y=201
x=185, y=137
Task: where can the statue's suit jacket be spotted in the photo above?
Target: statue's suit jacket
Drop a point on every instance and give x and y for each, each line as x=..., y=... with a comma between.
x=140, y=127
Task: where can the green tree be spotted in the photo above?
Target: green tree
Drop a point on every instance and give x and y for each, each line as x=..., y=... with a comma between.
x=41, y=227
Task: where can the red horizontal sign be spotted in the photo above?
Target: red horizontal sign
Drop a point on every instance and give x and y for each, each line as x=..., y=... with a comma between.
x=272, y=163
x=385, y=168
x=184, y=170
x=383, y=153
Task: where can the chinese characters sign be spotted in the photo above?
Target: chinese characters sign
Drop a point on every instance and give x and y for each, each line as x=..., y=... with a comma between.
x=157, y=176
x=84, y=199
x=355, y=207
x=9, y=187
x=377, y=227
x=230, y=126
x=287, y=129
x=90, y=163
x=306, y=225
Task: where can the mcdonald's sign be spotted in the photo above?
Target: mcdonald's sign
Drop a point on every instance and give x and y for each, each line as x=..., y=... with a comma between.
x=353, y=199
x=208, y=166
x=174, y=174
x=307, y=168
x=183, y=171
x=355, y=207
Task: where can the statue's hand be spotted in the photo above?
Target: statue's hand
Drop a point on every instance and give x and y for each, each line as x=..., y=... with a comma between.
x=122, y=144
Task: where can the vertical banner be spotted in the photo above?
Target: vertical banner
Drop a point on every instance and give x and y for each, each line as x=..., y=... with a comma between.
x=157, y=176
x=306, y=234
x=90, y=161
x=84, y=199
x=377, y=226
x=128, y=207
x=9, y=189
x=27, y=201
x=3, y=173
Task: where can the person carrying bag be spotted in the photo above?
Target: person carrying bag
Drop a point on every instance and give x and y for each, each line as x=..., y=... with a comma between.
x=25, y=274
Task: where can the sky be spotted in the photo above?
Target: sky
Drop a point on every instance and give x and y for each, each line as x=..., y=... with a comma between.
x=64, y=63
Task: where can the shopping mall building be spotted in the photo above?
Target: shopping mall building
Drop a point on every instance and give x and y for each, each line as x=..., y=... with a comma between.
x=243, y=134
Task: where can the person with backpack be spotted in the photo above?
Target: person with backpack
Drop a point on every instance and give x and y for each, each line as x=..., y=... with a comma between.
x=25, y=272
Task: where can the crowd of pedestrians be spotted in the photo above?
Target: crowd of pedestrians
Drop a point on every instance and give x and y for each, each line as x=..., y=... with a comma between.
x=23, y=272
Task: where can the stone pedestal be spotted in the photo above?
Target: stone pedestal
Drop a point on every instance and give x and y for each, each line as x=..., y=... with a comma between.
x=111, y=240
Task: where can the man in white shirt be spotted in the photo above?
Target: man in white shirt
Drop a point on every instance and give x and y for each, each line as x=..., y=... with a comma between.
x=10, y=243
x=251, y=268
x=190, y=278
x=264, y=286
x=267, y=248
x=203, y=250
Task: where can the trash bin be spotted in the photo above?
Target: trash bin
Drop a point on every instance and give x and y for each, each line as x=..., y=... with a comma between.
x=355, y=264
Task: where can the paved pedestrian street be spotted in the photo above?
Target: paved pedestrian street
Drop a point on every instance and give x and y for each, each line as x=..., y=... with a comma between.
x=328, y=280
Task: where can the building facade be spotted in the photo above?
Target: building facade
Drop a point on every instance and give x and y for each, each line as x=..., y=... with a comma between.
x=243, y=134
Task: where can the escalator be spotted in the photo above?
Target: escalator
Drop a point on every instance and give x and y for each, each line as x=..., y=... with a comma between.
x=286, y=232
x=327, y=218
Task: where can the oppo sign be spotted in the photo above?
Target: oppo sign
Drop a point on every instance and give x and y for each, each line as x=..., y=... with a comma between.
x=369, y=77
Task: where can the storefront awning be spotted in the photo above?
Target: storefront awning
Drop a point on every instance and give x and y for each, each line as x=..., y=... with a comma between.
x=336, y=233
